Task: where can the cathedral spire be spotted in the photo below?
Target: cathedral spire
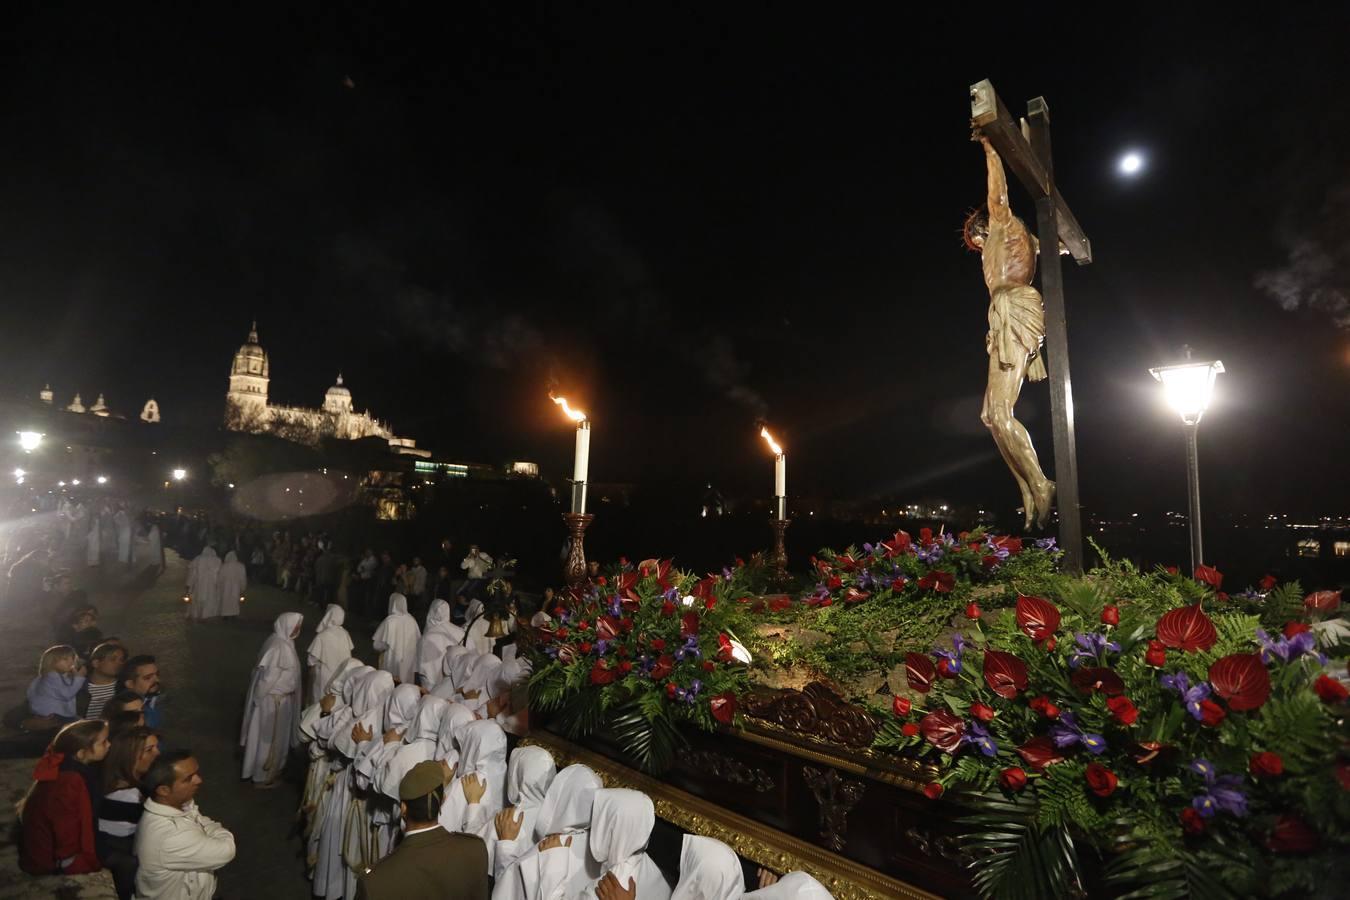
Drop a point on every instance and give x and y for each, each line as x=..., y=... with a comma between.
x=253, y=332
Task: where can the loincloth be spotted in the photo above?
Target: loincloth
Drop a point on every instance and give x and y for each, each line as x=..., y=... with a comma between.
x=1017, y=328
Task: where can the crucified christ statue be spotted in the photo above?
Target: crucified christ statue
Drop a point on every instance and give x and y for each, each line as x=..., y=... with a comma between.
x=1016, y=330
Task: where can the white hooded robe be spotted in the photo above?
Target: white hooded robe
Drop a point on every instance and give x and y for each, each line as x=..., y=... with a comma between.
x=203, y=585
x=272, y=709
x=331, y=647
x=232, y=581
x=396, y=640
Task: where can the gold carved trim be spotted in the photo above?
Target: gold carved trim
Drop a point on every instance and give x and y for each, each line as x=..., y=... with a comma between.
x=909, y=774
x=760, y=844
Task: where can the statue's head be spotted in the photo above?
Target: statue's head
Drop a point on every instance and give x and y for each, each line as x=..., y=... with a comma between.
x=976, y=228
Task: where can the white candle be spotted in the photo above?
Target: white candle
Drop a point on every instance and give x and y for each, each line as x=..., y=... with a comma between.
x=583, y=459
x=780, y=475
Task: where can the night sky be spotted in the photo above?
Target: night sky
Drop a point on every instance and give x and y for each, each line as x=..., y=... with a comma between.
x=683, y=222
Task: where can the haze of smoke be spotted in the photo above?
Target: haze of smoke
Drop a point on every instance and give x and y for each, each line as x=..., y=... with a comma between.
x=1316, y=274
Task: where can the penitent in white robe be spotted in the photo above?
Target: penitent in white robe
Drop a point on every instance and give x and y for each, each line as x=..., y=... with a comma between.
x=93, y=543
x=122, y=521
x=232, y=581
x=203, y=586
x=154, y=548
x=272, y=709
x=621, y=826
x=440, y=635
x=331, y=647
x=325, y=846
x=396, y=641
x=562, y=871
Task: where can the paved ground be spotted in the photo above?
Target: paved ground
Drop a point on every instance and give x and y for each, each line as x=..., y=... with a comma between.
x=204, y=669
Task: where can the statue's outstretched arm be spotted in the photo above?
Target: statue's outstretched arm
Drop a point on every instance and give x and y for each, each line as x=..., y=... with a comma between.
x=998, y=184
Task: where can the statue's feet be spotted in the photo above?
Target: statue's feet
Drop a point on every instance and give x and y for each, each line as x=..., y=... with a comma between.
x=1045, y=499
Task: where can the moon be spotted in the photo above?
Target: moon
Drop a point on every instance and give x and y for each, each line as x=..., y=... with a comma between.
x=1132, y=163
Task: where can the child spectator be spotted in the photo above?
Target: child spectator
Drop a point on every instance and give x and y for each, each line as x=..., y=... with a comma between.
x=60, y=678
x=58, y=813
x=81, y=631
x=104, y=665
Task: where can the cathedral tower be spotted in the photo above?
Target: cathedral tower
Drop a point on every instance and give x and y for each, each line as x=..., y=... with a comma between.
x=246, y=401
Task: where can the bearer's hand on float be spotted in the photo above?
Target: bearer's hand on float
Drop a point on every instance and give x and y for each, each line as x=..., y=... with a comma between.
x=474, y=788
x=361, y=733
x=508, y=826
x=554, y=840
x=767, y=878
x=327, y=703
x=393, y=735
x=609, y=889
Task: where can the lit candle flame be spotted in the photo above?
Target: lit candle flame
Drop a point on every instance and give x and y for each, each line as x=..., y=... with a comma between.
x=575, y=415
x=773, y=445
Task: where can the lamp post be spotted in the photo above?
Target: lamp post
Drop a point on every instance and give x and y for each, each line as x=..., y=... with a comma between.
x=1188, y=387
x=574, y=569
x=778, y=558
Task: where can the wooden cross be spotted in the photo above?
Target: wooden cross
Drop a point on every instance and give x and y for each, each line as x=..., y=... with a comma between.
x=1026, y=150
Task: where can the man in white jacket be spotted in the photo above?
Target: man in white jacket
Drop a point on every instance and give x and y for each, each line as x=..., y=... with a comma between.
x=179, y=848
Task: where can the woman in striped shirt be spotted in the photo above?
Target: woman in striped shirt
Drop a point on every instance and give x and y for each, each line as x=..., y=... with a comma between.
x=128, y=760
x=104, y=665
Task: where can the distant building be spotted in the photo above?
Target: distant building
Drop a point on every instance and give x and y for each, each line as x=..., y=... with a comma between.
x=247, y=408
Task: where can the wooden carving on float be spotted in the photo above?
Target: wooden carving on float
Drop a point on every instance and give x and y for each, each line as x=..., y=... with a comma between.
x=816, y=711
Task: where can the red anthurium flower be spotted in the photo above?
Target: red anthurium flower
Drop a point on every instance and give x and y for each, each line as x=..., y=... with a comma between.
x=1211, y=713
x=1322, y=601
x=566, y=654
x=925, y=536
x=1040, y=752
x=1038, y=619
x=1329, y=689
x=1005, y=674
x=1295, y=628
x=1147, y=752
x=1101, y=780
x=1292, y=835
x=1091, y=679
x=1266, y=765
x=1191, y=821
x=1209, y=575
x=1242, y=680
x=1043, y=706
x=1187, y=629
x=628, y=603
x=909, y=729
x=932, y=790
x=901, y=706
x=835, y=583
x=601, y=580
x=1006, y=542
x=853, y=595
x=1013, y=779
x=972, y=610
x=606, y=628
x=982, y=712
x=705, y=587
x=709, y=603
x=689, y=624
x=942, y=582
x=665, y=664
x=897, y=545
x=846, y=562
x=919, y=672
x=1171, y=570
x=602, y=674
x=1110, y=615
x=723, y=647
x=723, y=707
x=779, y=602
x=1123, y=709
x=943, y=730
x=1267, y=582
x=668, y=608
x=1156, y=655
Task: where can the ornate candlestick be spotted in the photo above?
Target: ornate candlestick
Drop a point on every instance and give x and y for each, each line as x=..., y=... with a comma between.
x=778, y=558
x=574, y=570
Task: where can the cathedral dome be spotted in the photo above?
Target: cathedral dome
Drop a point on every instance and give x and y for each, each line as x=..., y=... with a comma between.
x=338, y=390
x=338, y=399
x=251, y=358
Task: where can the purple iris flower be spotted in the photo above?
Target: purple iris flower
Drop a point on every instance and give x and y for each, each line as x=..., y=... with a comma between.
x=552, y=652
x=564, y=616
x=978, y=735
x=615, y=609
x=867, y=548
x=673, y=595
x=1222, y=794
x=952, y=656
x=726, y=573
x=948, y=539
x=1066, y=732
x=1191, y=696
x=601, y=646
x=1047, y=544
x=930, y=554
x=993, y=549
x=821, y=593
x=865, y=581
x=1287, y=649
x=1089, y=648
x=695, y=686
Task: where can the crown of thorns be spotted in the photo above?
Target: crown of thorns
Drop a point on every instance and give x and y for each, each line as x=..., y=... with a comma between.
x=975, y=225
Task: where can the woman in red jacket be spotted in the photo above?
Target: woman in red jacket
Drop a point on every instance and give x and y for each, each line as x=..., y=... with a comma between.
x=58, y=813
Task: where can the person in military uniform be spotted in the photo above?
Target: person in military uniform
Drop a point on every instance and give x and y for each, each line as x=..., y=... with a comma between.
x=430, y=863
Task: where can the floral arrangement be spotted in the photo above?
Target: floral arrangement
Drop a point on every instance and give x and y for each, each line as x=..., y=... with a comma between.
x=1196, y=742
x=642, y=651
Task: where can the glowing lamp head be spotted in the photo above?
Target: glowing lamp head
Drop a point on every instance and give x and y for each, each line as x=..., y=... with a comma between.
x=773, y=445
x=575, y=415
x=1131, y=163
x=29, y=440
x=1189, y=387
x=179, y=474
x=102, y=479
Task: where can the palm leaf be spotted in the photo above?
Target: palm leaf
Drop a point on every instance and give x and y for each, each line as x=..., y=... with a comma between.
x=652, y=740
x=1015, y=858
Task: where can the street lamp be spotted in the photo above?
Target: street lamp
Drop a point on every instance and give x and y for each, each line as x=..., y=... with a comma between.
x=179, y=474
x=29, y=440
x=1189, y=386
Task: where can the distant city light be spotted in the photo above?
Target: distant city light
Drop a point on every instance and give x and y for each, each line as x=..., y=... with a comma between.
x=230, y=485
x=179, y=474
x=75, y=481
x=19, y=473
x=30, y=440
x=1131, y=163
x=102, y=479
